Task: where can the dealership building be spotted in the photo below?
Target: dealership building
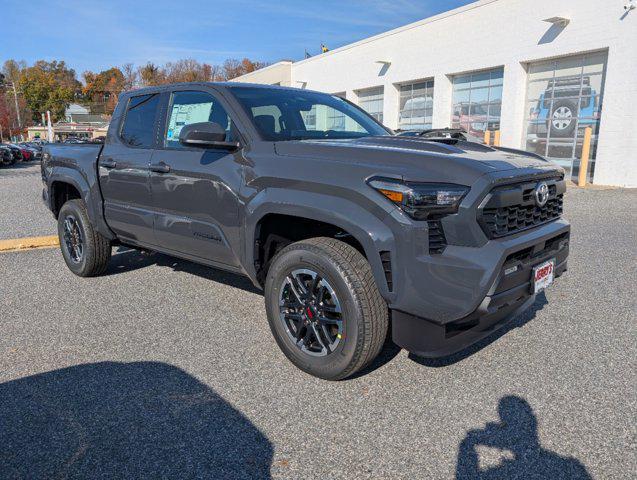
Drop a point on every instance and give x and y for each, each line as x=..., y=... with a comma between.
x=540, y=73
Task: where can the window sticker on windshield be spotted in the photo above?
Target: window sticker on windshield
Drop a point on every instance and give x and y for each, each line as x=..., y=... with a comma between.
x=185, y=115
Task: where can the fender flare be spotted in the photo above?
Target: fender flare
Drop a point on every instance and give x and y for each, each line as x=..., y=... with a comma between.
x=90, y=195
x=368, y=229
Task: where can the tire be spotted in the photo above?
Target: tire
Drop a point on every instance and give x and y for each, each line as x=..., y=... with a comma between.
x=345, y=274
x=563, y=118
x=95, y=249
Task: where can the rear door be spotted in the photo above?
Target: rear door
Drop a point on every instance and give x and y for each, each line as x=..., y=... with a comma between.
x=195, y=190
x=124, y=170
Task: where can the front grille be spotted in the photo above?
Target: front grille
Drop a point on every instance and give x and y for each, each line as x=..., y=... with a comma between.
x=512, y=208
x=437, y=240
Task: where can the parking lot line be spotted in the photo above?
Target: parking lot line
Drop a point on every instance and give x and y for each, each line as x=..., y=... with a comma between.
x=28, y=243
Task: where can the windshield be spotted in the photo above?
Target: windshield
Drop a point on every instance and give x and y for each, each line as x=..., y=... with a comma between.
x=281, y=114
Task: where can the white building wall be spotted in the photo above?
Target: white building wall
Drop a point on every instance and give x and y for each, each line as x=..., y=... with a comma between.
x=276, y=74
x=497, y=33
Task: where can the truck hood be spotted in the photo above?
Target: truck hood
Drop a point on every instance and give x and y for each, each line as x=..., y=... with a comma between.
x=418, y=159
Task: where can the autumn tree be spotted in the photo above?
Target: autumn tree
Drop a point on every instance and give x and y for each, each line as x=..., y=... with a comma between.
x=151, y=74
x=131, y=76
x=6, y=120
x=48, y=86
x=11, y=70
x=10, y=77
x=189, y=70
x=63, y=76
x=102, y=89
x=233, y=68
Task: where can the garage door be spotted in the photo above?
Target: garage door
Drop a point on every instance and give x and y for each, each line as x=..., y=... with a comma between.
x=564, y=97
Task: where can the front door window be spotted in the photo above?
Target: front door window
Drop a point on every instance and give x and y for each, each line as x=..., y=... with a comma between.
x=194, y=107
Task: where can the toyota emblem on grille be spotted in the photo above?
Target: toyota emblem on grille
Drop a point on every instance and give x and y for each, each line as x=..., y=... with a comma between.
x=541, y=194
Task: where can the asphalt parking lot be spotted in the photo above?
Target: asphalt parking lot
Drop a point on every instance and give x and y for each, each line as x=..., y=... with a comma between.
x=165, y=369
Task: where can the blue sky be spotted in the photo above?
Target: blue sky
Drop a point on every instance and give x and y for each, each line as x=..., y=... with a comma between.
x=92, y=35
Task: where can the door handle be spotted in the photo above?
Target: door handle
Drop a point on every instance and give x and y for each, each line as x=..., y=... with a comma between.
x=160, y=167
x=108, y=163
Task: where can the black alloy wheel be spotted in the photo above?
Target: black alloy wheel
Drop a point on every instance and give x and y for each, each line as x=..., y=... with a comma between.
x=324, y=307
x=311, y=312
x=85, y=251
x=73, y=239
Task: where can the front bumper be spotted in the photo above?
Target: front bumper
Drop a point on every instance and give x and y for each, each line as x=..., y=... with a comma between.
x=506, y=265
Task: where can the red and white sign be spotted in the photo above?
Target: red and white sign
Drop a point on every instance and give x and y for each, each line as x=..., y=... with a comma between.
x=543, y=275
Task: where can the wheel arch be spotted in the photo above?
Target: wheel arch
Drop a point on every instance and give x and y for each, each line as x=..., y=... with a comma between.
x=65, y=186
x=63, y=182
x=369, y=234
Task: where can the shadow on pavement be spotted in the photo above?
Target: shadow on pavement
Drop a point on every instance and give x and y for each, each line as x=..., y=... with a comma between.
x=517, y=449
x=127, y=260
x=517, y=322
x=125, y=420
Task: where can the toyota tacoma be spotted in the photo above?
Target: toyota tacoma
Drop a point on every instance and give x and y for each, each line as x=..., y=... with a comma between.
x=352, y=232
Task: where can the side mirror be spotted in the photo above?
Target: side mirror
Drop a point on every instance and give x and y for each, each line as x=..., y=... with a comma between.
x=206, y=135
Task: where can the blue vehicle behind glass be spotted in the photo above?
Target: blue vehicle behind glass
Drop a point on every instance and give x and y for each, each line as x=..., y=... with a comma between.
x=566, y=102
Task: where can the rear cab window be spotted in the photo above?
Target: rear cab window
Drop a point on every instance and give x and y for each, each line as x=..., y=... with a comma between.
x=138, y=127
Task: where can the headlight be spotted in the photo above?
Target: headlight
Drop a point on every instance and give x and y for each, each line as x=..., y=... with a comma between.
x=421, y=201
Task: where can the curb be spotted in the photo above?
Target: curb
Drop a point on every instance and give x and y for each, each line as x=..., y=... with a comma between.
x=28, y=243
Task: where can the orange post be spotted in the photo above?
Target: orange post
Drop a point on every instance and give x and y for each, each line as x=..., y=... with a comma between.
x=496, y=139
x=487, y=137
x=586, y=151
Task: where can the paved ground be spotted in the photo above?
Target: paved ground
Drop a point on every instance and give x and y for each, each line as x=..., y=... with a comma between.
x=166, y=369
x=22, y=213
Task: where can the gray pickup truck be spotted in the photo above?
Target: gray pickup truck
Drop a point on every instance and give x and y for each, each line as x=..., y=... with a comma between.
x=346, y=227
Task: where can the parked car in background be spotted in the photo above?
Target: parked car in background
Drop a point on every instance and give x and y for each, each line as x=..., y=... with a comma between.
x=566, y=102
x=34, y=153
x=16, y=151
x=441, y=134
x=37, y=144
x=6, y=156
x=75, y=140
x=472, y=115
x=27, y=155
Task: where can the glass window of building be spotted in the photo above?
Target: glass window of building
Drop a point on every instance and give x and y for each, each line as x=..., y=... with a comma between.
x=336, y=118
x=371, y=100
x=326, y=118
x=416, y=105
x=477, y=101
x=564, y=97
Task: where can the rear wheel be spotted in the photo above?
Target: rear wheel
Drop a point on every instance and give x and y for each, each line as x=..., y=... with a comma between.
x=85, y=251
x=324, y=308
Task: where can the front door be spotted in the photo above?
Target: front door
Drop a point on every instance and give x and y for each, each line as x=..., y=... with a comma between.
x=124, y=172
x=195, y=190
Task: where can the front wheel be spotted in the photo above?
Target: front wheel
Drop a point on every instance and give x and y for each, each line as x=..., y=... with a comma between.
x=85, y=251
x=324, y=308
